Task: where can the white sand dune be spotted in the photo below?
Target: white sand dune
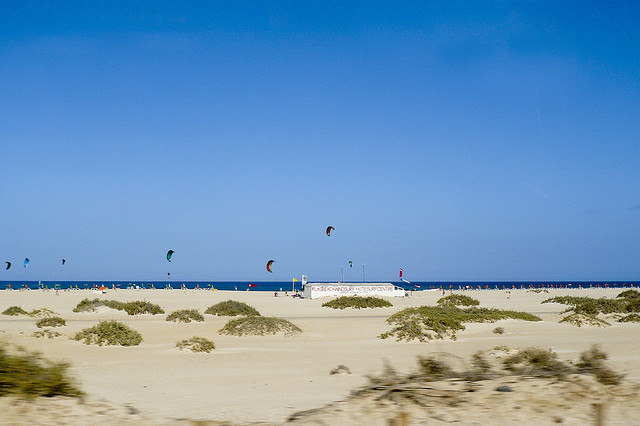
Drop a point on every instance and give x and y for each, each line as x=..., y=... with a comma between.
x=268, y=378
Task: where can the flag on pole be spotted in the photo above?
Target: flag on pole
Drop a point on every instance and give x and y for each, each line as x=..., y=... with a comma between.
x=295, y=279
x=400, y=273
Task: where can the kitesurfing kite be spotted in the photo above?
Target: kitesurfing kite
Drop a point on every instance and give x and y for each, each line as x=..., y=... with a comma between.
x=350, y=264
x=269, y=263
x=26, y=261
x=64, y=261
x=329, y=229
x=169, y=254
x=8, y=265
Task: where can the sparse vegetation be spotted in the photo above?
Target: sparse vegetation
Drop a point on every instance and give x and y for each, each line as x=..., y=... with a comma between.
x=357, y=302
x=50, y=322
x=533, y=362
x=185, y=315
x=109, y=333
x=28, y=374
x=581, y=319
x=629, y=294
x=132, y=308
x=585, y=310
x=536, y=362
x=42, y=313
x=437, y=322
x=592, y=362
x=50, y=334
x=14, y=311
x=498, y=330
x=139, y=307
x=232, y=308
x=196, y=344
x=629, y=318
x=458, y=300
x=258, y=326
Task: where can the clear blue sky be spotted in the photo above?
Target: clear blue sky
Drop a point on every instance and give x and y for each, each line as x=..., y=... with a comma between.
x=493, y=140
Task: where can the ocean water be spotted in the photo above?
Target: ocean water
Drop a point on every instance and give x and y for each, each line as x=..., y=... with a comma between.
x=289, y=286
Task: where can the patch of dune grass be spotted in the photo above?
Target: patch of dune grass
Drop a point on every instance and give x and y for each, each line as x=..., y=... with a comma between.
x=28, y=374
x=50, y=334
x=629, y=318
x=132, y=308
x=14, y=311
x=196, y=344
x=42, y=313
x=109, y=333
x=458, y=300
x=584, y=310
x=357, y=302
x=579, y=319
x=629, y=294
x=50, y=322
x=437, y=322
x=185, y=315
x=258, y=326
x=232, y=308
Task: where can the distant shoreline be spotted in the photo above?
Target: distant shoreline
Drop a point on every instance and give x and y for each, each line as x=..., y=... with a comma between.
x=272, y=286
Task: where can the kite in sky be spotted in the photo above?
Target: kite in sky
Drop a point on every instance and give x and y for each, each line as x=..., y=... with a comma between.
x=26, y=261
x=64, y=261
x=269, y=263
x=169, y=254
x=350, y=264
x=8, y=265
x=329, y=229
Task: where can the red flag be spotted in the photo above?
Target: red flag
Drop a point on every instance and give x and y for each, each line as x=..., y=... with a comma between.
x=400, y=273
x=252, y=285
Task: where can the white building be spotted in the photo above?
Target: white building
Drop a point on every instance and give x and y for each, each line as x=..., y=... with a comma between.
x=317, y=290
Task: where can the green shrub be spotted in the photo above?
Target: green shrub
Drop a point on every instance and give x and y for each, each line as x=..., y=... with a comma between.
x=196, y=344
x=142, y=307
x=458, y=300
x=50, y=322
x=185, y=315
x=436, y=322
x=30, y=375
x=109, y=333
x=231, y=308
x=258, y=326
x=586, y=309
x=629, y=294
x=132, y=308
x=580, y=319
x=498, y=330
x=14, y=311
x=87, y=305
x=357, y=302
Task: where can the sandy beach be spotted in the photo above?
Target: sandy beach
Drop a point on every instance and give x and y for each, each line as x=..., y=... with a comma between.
x=266, y=379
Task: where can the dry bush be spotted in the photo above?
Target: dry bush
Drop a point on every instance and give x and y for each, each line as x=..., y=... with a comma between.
x=258, y=326
x=196, y=344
